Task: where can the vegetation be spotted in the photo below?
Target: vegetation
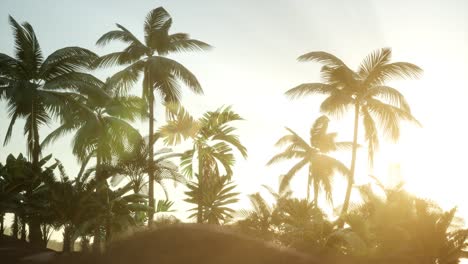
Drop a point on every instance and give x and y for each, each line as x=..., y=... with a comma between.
x=113, y=192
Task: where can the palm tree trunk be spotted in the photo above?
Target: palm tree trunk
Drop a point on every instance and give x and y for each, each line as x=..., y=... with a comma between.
x=108, y=227
x=353, y=164
x=2, y=222
x=309, y=180
x=23, y=229
x=15, y=226
x=66, y=246
x=35, y=147
x=99, y=185
x=200, y=188
x=35, y=234
x=316, y=192
x=151, y=147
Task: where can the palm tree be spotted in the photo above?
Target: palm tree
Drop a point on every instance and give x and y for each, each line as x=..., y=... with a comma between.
x=160, y=74
x=74, y=205
x=367, y=92
x=102, y=131
x=216, y=197
x=213, y=143
x=24, y=194
x=101, y=126
x=39, y=89
x=314, y=154
x=133, y=165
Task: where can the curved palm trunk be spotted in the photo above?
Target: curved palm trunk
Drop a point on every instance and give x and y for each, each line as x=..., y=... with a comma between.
x=309, y=181
x=353, y=164
x=200, y=188
x=151, y=148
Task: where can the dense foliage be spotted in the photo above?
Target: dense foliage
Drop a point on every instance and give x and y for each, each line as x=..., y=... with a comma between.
x=113, y=192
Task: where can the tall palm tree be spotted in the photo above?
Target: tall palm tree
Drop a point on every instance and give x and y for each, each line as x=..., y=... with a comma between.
x=160, y=74
x=366, y=91
x=314, y=154
x=213, y=143
x=38, y=89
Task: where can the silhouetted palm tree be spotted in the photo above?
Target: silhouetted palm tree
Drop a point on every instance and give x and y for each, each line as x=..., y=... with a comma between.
x=160, y=74
x=38, y=89
x=102, y=128
x=133, y=165
x=366, y=91
x=314, y=154
x=213, y=143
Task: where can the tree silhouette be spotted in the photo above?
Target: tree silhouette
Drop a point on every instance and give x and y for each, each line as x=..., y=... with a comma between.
x=314, y=154
x=160, y=74
x=365, y=91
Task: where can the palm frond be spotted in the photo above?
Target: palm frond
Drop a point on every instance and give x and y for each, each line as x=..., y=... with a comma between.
x=374, y=60
x=160, y=67
x=284, y=184
x=322, y=57
x=336, y=104
x=66, y=60
x=389, y=116
x=393, y=71
x=182, y=42
x=390, y=95
x=309, y=89
x=27, y=49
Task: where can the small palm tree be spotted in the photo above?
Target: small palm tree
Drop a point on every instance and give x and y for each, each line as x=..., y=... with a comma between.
x=147, y=58
x=133, y=165
x=215, y=198
x=213, y=143
x=101, y=126
x=314, y=154
x=366, y=91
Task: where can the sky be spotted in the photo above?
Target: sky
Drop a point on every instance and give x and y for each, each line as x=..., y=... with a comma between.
x=253, y=63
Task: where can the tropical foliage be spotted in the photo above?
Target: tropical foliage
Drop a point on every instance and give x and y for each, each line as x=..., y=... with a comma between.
x=314, y=154
x=366, y=91
x=112, y=194
x=147, y=58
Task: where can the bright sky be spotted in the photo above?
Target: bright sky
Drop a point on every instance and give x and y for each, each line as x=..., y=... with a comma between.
x=254, y=63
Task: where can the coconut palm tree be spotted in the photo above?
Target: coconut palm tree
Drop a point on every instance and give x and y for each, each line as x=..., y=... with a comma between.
x=314, y=154
x=364, y=90
x=213, y=143
x=146, y=58
x=38, y=89
x=102, y=131
x=102, y=128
